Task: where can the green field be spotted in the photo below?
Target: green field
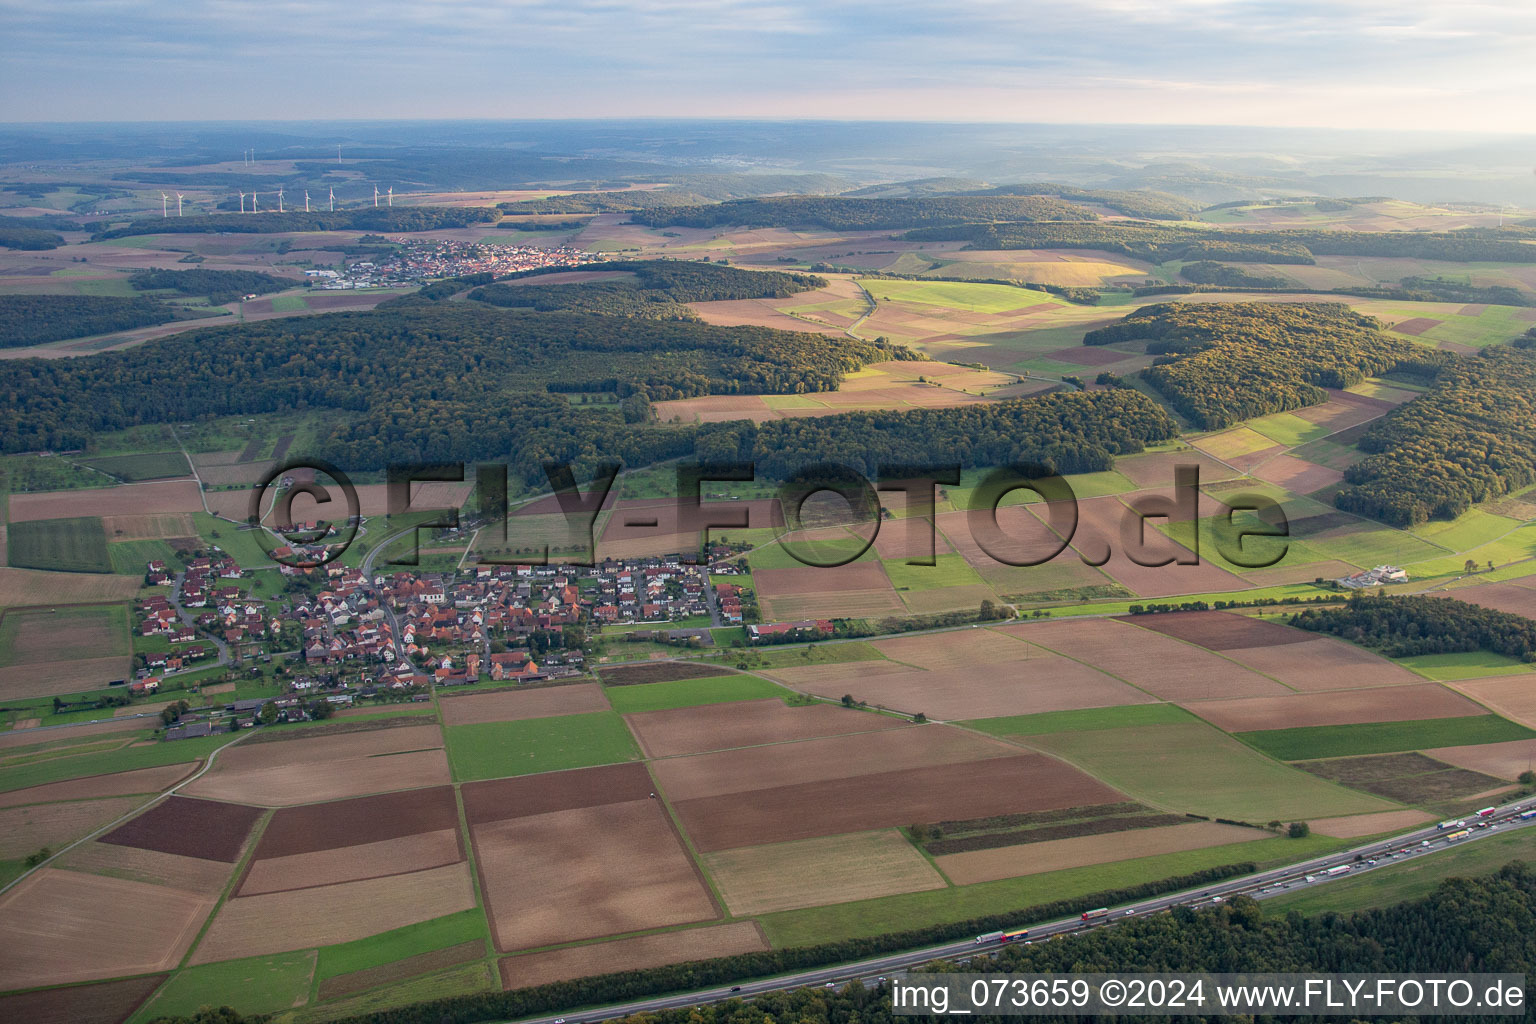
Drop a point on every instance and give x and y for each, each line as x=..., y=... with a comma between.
x=684, y=693
x=1384, y=737
x=777, y=556
x=258, y=985
x=947, y=571
x=1088, y=718
x=130, y=556
x=1414, y=879
x=974, y=298
x=155, y=466
x=492, y=750
x=1464, y=665
x=289, y=303
x=373, y=1004
x=99, y=631
x=126, y=759
x=387, y=947
x=237, y=543
x=65, y=545
x=917, y=910
x=1288, y=429
x=816, y=654
x=1192, y=767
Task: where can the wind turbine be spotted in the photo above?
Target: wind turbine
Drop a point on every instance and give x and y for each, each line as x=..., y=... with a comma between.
x=333, y=199
x=338, y=152
x=163, y=200
x=391, y=195
x=254, y=203
x=242, y=202
x=279, y=200
x=306, y=201
x=179, y=197
x=375, y=196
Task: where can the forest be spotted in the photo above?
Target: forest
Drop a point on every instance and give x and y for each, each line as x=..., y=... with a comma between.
x=16, y=233
x=1401, y=627
x=1483, y=924
x=838, y=214
x=368, y=218
x=1209, y=272
x=218, y=286
x=37, y=319
x=650, y=289
x=1224, y=363
x=1470, y=439
x=1142, y=203
x=602, y=202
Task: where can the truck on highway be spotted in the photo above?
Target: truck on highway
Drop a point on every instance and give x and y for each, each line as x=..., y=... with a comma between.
x=989, y=937
x=1453, y=823
x=1090, y=915
x=1527, y=815
x=1336, y=871
x=1486, y=812
x=1458, y=835
x=1009, y=936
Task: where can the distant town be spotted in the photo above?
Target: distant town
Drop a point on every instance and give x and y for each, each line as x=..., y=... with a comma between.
x=421, y=260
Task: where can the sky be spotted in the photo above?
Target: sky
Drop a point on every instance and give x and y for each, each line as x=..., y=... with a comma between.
x=1380, y=64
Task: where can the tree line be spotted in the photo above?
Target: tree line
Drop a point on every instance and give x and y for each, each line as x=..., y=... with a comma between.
x=218, y=286
x=837, y=213
x=1401, y=627
x=37, y=319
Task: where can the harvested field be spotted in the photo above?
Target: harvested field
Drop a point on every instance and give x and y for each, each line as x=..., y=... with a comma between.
x=370, y=819
x=1156, y=469
x=373, y=499
x=1355, y=826
x=949, y=651
x=747, y=723
x=1511, y=696
x=1505, y=760
x=144, y=780
x=25, y=830
x=587, y=872
x=170, y=524
x=1297, y=475
x=1220, y=631
x=1041, y=681
x=25, y=737
x=94, y=631
x=654, y=526
x=659, y=672
x=422, y=963
x=503, y=799
x=285, y=785
x=1162, y=666
x=51, y=678
x=62, y=926
x=189, y=828
x=634, y=954
x=831, y=757
x=111, y=1002
x=1407, y=778
x=858, y=604
x=831, y=806
x=1343, y=707
x=815, y=872
x=517, y=705
x=1505, y=597
x=857, y=589
x=126, y=500
x=1416, y=326
x=1060, y=854
x=1304, y=573
x=1099, y=531
x=353, y=863
x=273, y=923
x=189, y=874
x=1323, y=664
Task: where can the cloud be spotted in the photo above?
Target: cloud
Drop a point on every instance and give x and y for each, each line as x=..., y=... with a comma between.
x=1403, y=63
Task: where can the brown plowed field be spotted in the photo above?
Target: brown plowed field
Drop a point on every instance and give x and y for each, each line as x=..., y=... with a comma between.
x=909, y=538
x=1306, y=573
x=189, y=874
x=631, y=519
x=143, y=780
x=1158, y=664
x=189, y=828
x=169, y=524
x=1353, y=826
x=830, y=757
x=1505, y=760
x=1156, y=469
x=1220, y=631
x=353, y=863
x=1323, y=664
x=373, y=499
x=1416, y=326
x=1297, y=475
x=940, y=652
x=22, y=587
x=49, y=678
x=587, y=872
x=256, y=925
x=422, y=963
x=634, y=954
x=61, y=926
x=1042, y=682
x=307, y=750
x=109, y=1003
x=860, y=588
x=1513, y=697
x=660, y=672
x=502, y=799
x=1342, y=707
x=816, y=872
x=25, y=830
x=747, y=723
x=1059, y=854
x=1008, y=785
x=858, y=604
x=369, y=819
x=1505, y=597
x=302, y=783
x=125, y=500
x=517, y=705
x=1099, y=529
x=1024, y=538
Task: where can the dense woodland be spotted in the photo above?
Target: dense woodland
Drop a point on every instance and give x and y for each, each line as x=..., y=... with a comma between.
x=1470, y=439
x=1147, y=204
x=218, y=286
x=1466, y=925
x=1402, y=627
x=650, y=289
x=36, y=319
x=18, y=233
x=1208, y=272
x=1230, y=362
x=603, y=202
x=369, y=218
x=837, y=214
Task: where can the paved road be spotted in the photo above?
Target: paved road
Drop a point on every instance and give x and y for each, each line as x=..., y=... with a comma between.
x=188, y=619
x=1421, y=842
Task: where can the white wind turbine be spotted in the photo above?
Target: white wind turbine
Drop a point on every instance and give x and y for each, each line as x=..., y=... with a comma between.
x=163, y=200
x=179, y=197
x=279, y=200
x=333, y=200
x=242, y=202
x=306, y=200
x=254, y=203
x=391, y=195
x=375, y=195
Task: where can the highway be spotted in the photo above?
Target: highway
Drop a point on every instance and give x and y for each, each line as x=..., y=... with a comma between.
x=1422, y=842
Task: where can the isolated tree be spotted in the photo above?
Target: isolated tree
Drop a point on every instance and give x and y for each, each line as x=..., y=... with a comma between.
x=1299, y=830
x=268, y=713
x=1471, y=565
x=848, y=701
x=1527, y=778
